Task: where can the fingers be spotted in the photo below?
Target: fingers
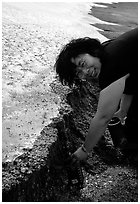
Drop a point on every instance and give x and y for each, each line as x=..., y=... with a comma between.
x=122, y=117
x=117, y=114
x=123, y=120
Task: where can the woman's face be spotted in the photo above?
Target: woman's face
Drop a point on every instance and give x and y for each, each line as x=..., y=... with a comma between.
x=87, y=66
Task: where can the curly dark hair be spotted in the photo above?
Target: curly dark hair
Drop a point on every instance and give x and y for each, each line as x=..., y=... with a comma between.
x=65, y=69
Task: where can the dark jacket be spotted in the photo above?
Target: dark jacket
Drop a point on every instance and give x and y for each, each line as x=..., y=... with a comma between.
x=121, y=58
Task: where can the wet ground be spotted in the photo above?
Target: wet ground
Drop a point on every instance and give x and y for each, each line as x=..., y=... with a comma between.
x=33, y=34
x=31, y=97
x=123, y=14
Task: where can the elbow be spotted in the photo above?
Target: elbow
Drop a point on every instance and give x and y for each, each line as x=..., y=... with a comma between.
x=104, y=118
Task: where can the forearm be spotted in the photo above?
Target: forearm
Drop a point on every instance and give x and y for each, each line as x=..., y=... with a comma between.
x=97, y=127
x=126, y=101
x=108, y=103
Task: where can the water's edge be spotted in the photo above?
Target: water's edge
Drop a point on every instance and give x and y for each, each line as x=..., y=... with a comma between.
x=31, y=177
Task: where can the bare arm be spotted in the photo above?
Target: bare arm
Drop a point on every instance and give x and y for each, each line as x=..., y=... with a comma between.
x=125, y=103
x=108, y=103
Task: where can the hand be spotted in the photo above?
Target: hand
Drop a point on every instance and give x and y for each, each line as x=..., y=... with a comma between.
x=121, y=115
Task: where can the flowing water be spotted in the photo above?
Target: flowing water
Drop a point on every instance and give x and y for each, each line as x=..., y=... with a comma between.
x=32, y=36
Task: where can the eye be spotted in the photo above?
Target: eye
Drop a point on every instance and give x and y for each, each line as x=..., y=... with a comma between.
x=82, y=63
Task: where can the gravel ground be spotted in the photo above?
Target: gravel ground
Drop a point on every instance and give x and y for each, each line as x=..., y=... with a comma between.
x=29, y=102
